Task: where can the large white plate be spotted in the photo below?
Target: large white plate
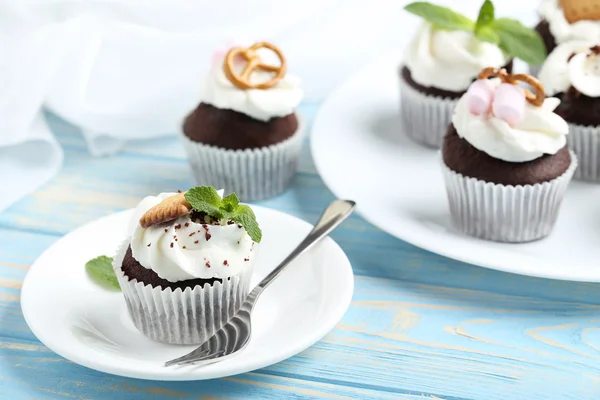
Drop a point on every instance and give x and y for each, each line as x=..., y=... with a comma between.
x=90, y=325
x=362, y=153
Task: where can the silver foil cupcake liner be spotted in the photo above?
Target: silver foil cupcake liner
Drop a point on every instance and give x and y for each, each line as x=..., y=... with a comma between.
x=585, y=142
x=504, y=213
x=190, y=316
x=426, y=118
x=253, y=174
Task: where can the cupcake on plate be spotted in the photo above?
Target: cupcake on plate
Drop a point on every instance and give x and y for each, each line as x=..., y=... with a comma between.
x=505, y=159
x=572, y=74
x=185, y=268
x=444, y=58
x=565, y=20
x=245, y=135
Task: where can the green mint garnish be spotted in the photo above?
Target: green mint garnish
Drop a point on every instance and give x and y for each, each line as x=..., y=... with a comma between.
x=520, y=41
x=515, y=39
x=442, y=17
x=101, y=271
x=207, y=200
x=486, y=15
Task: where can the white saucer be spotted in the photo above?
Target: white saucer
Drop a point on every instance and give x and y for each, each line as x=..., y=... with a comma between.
x=362, y=153
x=90, y=325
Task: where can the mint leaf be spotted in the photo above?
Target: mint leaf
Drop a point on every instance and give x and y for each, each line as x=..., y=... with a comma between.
x=486, y=15
x=441, y=17
x=101, y=271
x=245, y=217
x=207, y=194
x=487, y=34
x=231, y=201
x=519, y=41
x=205, y=199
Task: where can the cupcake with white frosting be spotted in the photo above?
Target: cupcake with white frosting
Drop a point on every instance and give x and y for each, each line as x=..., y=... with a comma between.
x=245, y=135
x=185, y=268
x=445, y=57
x=563, y=21
x=505, y=160
x=572, y=74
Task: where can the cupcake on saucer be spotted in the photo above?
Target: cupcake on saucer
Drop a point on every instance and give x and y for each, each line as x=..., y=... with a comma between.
x=444, y=58
x=565, y=20
x=185, y=268
x=505, y=159
x=572, y=74
x=245, y=135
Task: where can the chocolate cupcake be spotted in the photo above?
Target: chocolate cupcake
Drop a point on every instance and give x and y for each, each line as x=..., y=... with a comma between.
x=505, y=160
x=572, y=74
x=245, y=135
x=445, y=57
x=185, y=268
x=563, y=21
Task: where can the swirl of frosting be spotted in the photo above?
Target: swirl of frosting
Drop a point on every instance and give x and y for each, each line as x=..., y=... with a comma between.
x=449, y=60
x=184, y=249
x=539, y=132
x=572, y=64
x=262, y=104
x=561, y=29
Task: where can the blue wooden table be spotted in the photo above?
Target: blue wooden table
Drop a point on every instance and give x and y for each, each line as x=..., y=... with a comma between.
x=420, y=326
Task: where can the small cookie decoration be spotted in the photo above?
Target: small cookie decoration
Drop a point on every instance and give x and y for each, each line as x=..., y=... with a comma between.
x=254, y=63
x=167, y=210
x=579, y=10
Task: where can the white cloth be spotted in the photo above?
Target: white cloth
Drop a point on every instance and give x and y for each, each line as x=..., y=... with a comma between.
x=130, y=69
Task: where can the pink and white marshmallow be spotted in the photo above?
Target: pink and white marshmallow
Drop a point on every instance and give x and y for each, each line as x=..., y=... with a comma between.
x=506, y=102
x=509, y=103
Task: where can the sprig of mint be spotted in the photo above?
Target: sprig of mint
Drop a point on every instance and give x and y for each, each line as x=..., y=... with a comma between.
x=206, y=199
x=515, y=39
x=101, y=271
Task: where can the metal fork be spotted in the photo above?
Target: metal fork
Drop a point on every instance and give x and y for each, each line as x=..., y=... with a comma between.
x=235, y=334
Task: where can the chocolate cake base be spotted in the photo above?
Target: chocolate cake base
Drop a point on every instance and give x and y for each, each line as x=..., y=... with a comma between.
x=461, y=157
x=232, y=130
x=543, y=28
x=578, y=108
x=432, y=91
x=134, y=270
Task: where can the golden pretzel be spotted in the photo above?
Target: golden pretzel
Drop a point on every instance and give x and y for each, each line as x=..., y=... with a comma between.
x=254, y=63
x=536, y=98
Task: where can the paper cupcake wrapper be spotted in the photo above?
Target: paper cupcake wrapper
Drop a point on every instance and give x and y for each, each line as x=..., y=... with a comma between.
x=253, y=174
x=190, y=316
x=426, y=118
x=505, y=213
x=585, y=142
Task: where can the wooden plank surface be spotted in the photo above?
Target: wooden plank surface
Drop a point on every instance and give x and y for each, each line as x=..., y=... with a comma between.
x=420, y=326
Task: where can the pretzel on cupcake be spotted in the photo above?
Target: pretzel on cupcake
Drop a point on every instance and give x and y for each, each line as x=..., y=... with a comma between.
x=253, y=63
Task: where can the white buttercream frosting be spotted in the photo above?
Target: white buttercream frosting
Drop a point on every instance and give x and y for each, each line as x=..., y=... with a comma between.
x=561, y=29
x=262, y=104
x=182, y=250
x=449, y=60
x=540, y=132
x=572, y=64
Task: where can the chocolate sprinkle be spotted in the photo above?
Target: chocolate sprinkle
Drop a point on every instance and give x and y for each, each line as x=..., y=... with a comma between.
x=207, y=264
x=196, y=241
x=171, y=244
x=178, y=226
x=225, y=262
x=207, y=236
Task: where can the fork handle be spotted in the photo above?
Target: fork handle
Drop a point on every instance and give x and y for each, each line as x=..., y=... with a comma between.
x=333, y=215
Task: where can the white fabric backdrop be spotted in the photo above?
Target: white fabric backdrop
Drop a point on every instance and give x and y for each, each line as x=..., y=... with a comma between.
x=128, y=69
